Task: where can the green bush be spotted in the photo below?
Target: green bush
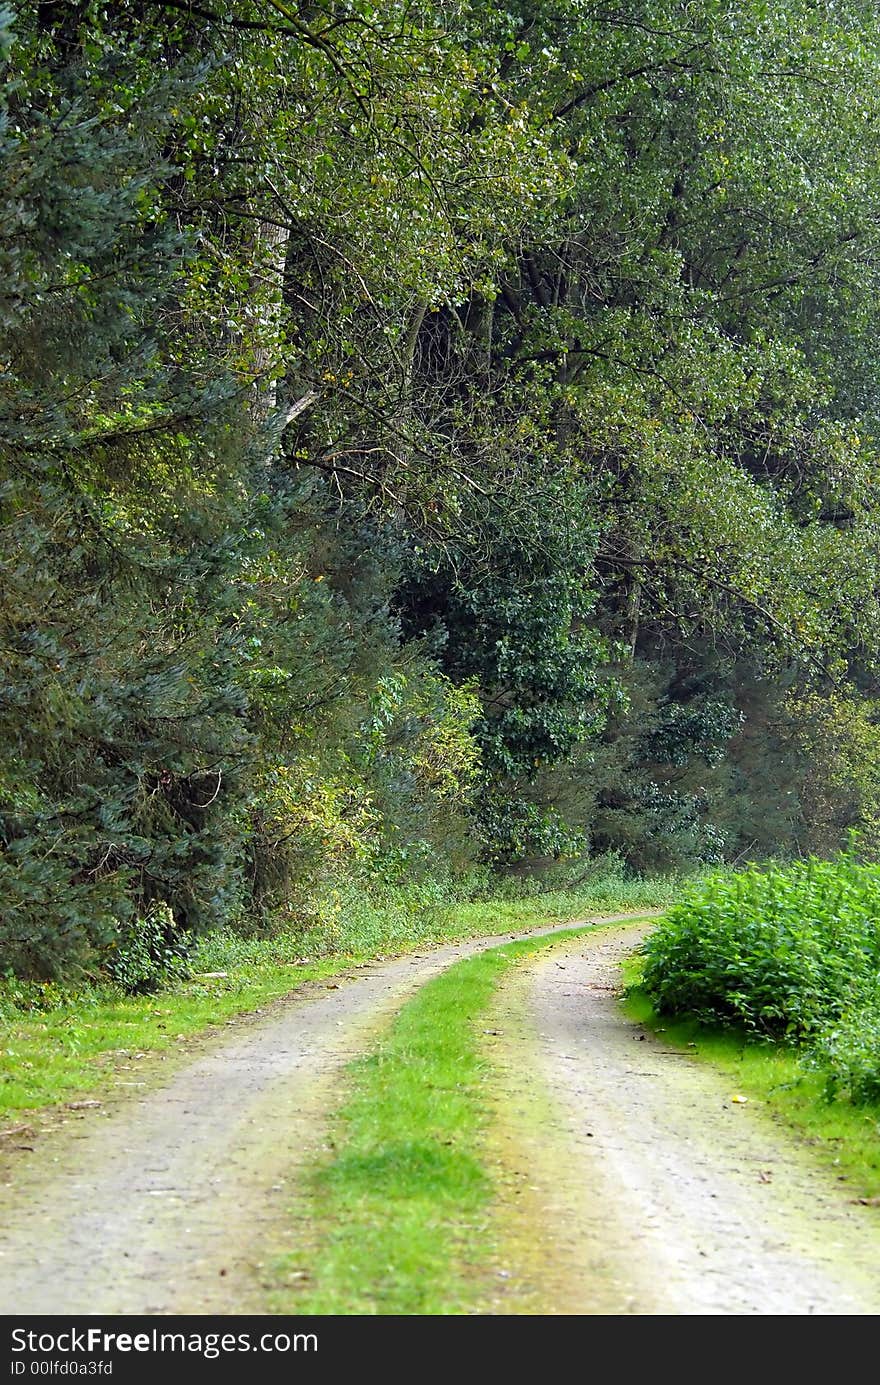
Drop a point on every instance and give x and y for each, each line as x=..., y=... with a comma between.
x=783, y=951
x=149, y=953
x=788, y=953
x=849, y=1052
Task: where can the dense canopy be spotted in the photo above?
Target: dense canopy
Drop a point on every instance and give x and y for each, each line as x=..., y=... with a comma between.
x=432, y=436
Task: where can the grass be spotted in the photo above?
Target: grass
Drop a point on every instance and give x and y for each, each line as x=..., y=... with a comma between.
x=90, y=1040
x=60, y=1045
x=403, y=1200
x=841, y=1137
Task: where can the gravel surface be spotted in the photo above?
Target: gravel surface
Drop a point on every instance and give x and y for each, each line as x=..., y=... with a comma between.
x=174, y=1201
x=634, y=1185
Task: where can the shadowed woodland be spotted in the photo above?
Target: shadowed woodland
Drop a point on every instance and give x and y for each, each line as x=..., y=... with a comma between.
x=436, y=443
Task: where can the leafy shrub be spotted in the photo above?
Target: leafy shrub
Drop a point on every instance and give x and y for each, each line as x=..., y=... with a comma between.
x=789, y=953
x=782, y=951
x=522, y=833
x=149, y=952
x=849, y=1052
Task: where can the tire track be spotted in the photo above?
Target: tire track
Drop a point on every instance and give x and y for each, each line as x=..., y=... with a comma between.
x=176, y=1201
x=635, y=1186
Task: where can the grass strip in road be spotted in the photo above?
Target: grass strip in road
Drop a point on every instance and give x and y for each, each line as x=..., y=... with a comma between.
x=842, y=1138
x=61, y=1044
x=398, y=1214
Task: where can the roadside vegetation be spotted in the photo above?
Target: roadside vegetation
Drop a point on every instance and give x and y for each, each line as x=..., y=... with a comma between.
x=59, y=1043
x=773, y=974
x=790, y=953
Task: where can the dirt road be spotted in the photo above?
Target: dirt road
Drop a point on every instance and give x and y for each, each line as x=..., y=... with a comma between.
x=635, y=1186
x=631, y=1183
x=172, y=1203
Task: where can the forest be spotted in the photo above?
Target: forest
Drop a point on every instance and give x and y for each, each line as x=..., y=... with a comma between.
x=438, y=443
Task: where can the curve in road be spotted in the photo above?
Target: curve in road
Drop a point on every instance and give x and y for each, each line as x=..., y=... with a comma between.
x=175, y=1201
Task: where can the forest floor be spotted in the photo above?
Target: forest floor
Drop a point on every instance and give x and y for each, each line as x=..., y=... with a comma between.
x=628, y=1181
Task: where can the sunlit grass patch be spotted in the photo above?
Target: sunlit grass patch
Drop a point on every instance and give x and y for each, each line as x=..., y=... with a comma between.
x=399, y=1211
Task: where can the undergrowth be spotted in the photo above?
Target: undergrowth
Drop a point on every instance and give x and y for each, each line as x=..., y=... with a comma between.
x=787, y=953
